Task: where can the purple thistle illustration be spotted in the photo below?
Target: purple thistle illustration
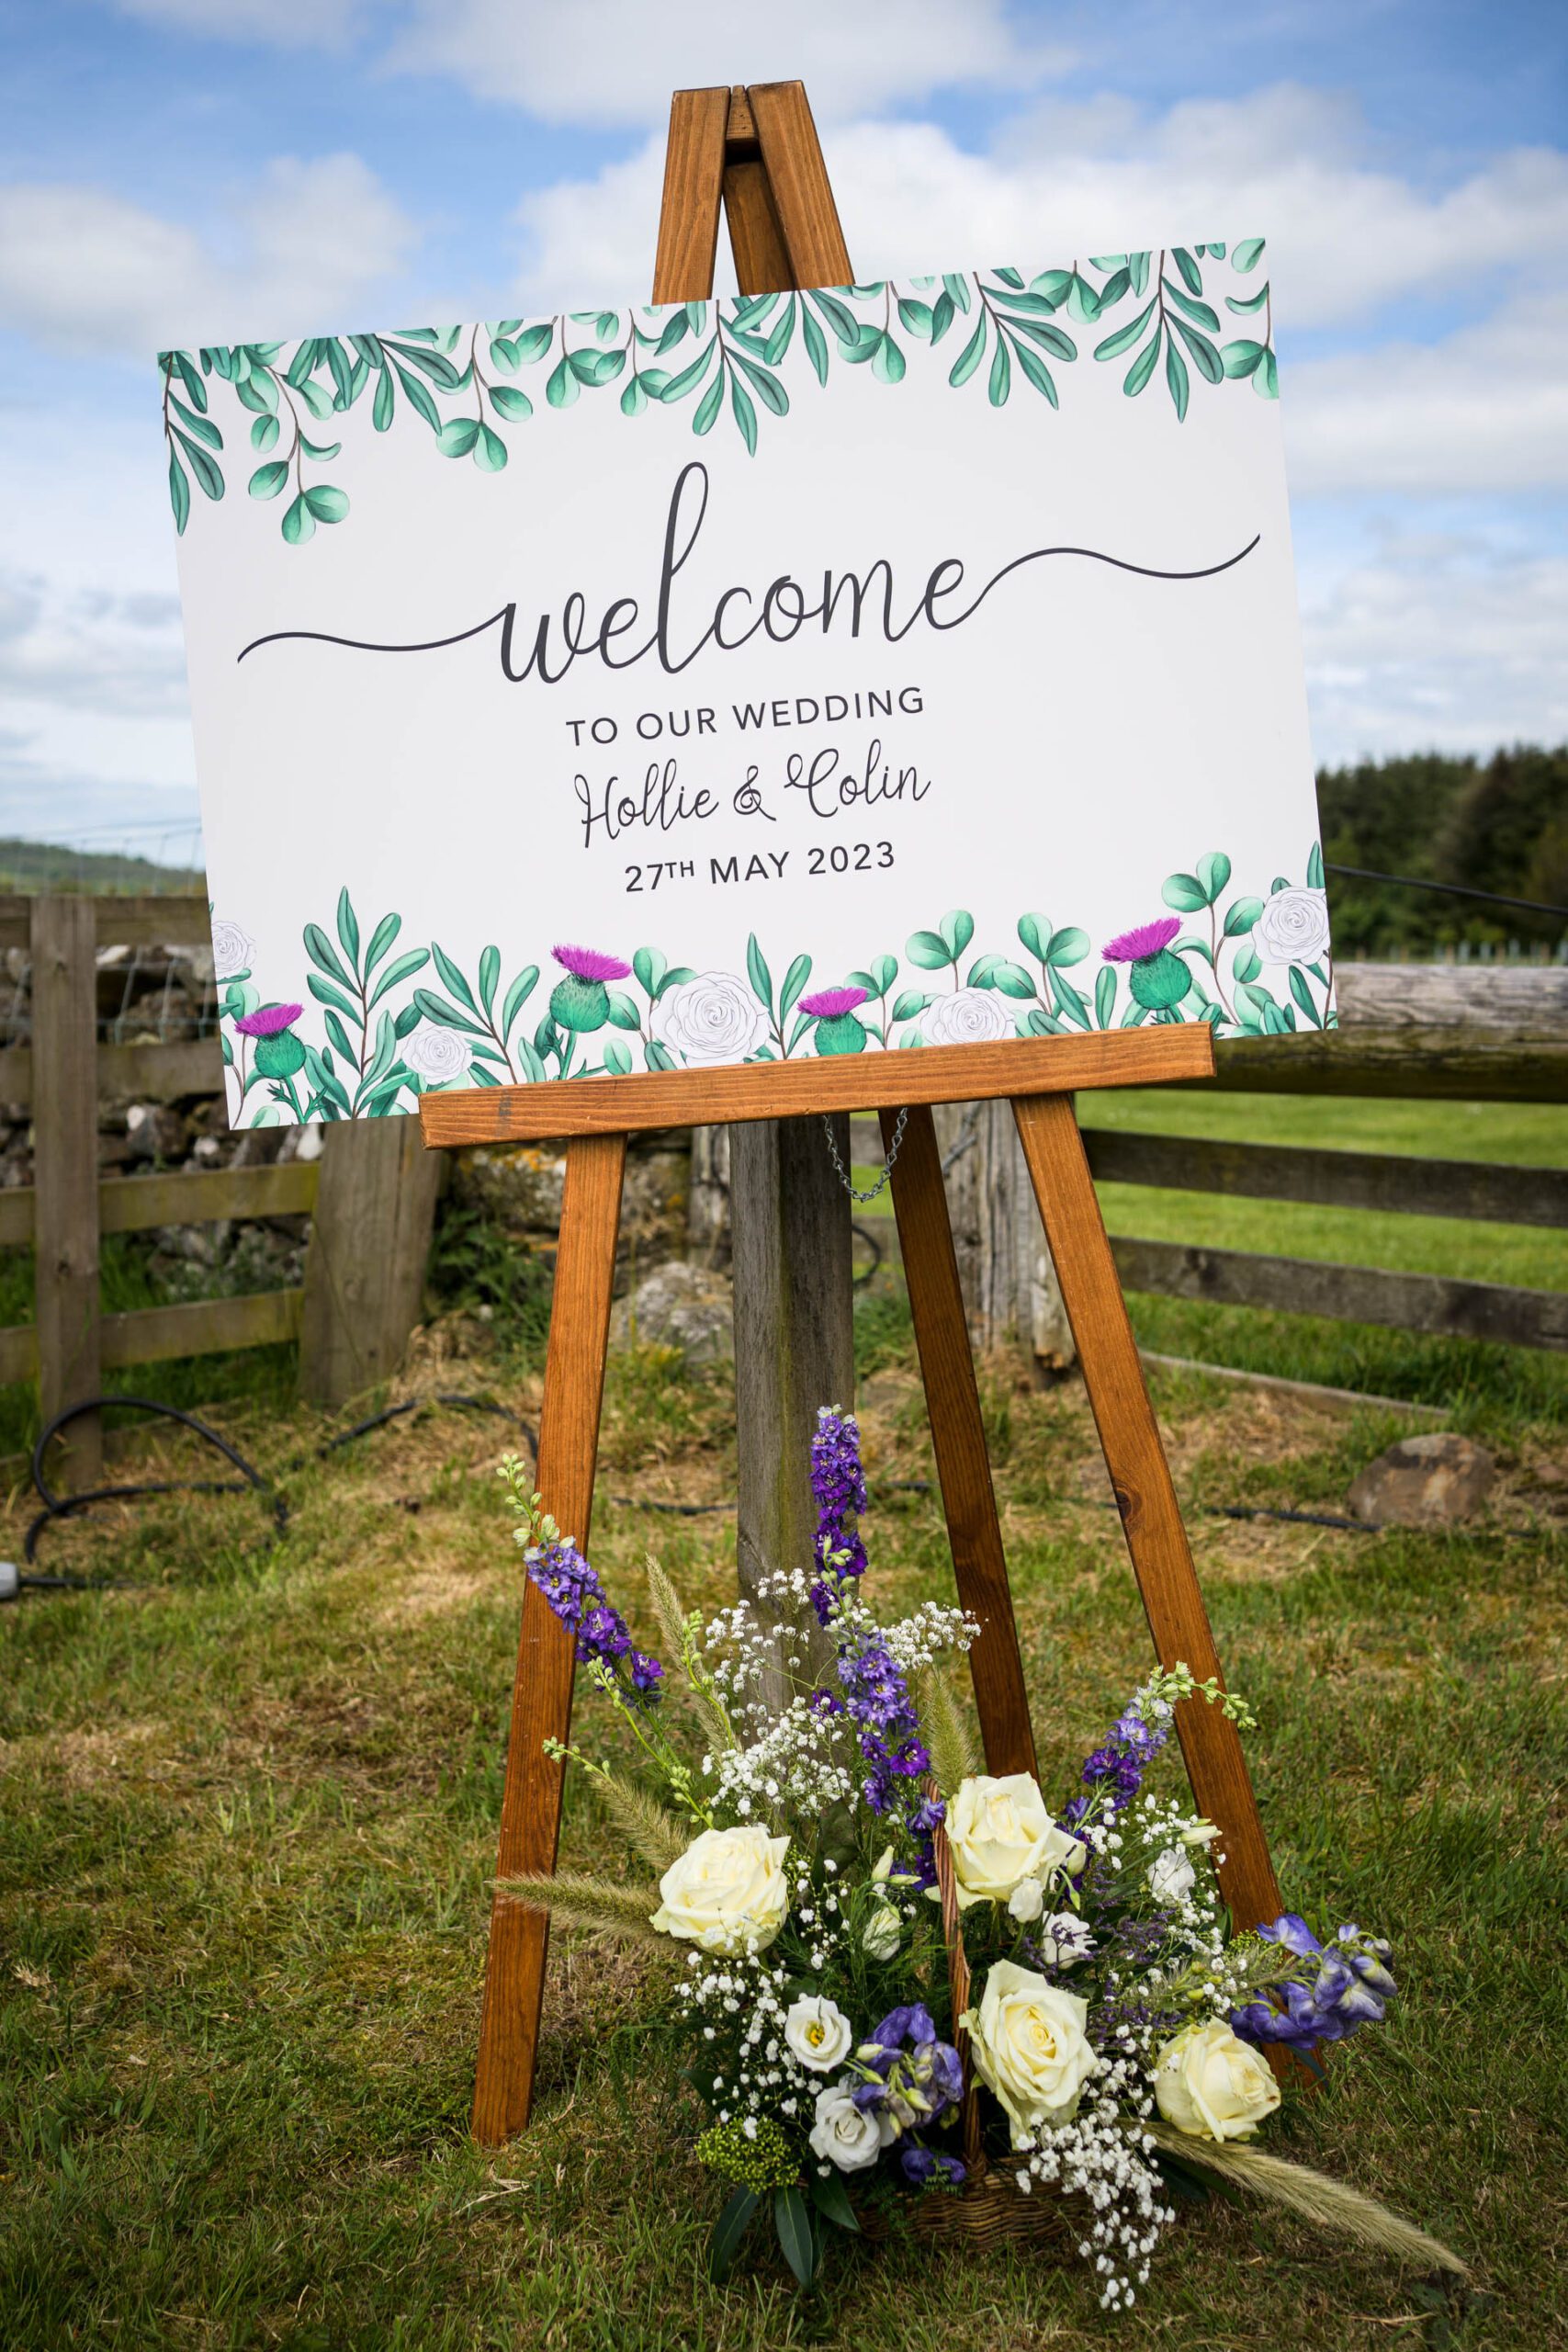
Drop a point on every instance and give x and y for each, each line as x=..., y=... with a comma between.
x=830, y=1004
x=580, y=1003
x=1157, y=979
x=590, y=964
x=1144, y=939
x=268, y=1020
x=833, y=1010
x=279, y=1053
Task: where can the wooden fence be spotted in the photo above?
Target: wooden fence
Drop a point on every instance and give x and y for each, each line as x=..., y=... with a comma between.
x=371, y=1194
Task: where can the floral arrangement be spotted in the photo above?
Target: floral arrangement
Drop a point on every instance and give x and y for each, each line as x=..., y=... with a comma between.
x=904, y=1989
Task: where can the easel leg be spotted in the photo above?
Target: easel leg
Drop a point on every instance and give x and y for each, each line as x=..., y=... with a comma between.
x=1145, y=1496
x=541, y=1695
x=958, y=1439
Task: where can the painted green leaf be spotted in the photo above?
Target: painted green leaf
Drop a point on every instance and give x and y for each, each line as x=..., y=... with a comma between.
x=202, y=427
x=911, y=1001
x=1206, y=358
x=326, y=504
x=418, y=398
x=677, y=328
x=1012, y=978
x=1037, y=1023
x=707, y=408
x=768, y=389
x=795, y=978
x=1266, y=378
x=1068, y=1000
x=1001, y=373
x=563, y=387
x=623, y=1009
x=1251, y=302
x=504, y=355
x=1248, y=963
x=1115, y=286
x=1200, y=312
x=840, y=317
x=617, y=1056
x=323, y=954
x=927, y=949
x=778, y=343
x=1240, y=915
x=1034, y=931
x=1240, y=358
x=1039, y=374
x=1176, y=377
x=401, y=969
x=917, y=317
x=1143, y=368
x=322, y=450
x=1213, y=872
x=433, y=364
x=1190, y=275
x=348, y=928
x=263, y=435
x=315, y=399
x=533, y=1068
x=679, y=386
x=1054, y=285
x=435, y=1008
x=1105, y=982
x=511, y=402
x=957, y=928
x=1247, y=255
x=757, y=972
x=970, y=356
x=1314, y=866
x=517, y=996
x=1184, y=892
x=884, y=972
x=816, y=343
x=490, y=451
x=743, y=410
x=259, y=394
x=201, y=465
x=299, y=523
x=889, y=364
x=490, y=973
x=1300, y=989
x=1068, y=946
x=634, y=396
x=458, y=435
x=267, y=481
x=1083, y=303
x=942, y=315
x=955, y=286
x=534, y=342
x=325, y=993
x=339, y=1036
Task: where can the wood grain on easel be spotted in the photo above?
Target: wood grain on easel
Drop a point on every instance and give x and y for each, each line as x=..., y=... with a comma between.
x=958, y=1440
x=1145, y=1494
x=541, y=1696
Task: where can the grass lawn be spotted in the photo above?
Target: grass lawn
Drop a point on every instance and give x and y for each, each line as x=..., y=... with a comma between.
x=250, y=1800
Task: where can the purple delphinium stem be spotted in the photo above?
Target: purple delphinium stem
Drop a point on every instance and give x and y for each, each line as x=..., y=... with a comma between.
x=575, y=1595
x=1350, y=1986
x=1114, y=1773
x=838, y=1486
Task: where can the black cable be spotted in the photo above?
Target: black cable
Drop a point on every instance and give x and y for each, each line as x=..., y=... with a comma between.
x=1451, y=890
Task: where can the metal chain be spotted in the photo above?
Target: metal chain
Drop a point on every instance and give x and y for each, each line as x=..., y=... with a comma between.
x=887, y=1165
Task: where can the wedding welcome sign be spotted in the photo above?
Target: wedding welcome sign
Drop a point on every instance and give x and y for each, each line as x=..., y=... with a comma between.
x=895, y=665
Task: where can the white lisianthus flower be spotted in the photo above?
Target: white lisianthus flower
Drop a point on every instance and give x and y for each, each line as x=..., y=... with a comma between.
x=1209, y=2085
x=1029, y=2048
x=713, y=1017
x=728, y=1890
x=883, y=1933
x=967, y=1017
x=1171, y=1876
x=818, y=2032
x=999, y=1832
x=1064, y=1940
x=1199, y=1833
x=1027, y=1901
x=1292, y=928
x=435, y=1053
x=843, y=2134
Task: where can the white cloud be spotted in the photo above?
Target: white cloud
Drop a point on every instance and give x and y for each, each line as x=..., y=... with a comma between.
x=1435, y=639
x=280, y=23
x=307, y=244
x=615, y=61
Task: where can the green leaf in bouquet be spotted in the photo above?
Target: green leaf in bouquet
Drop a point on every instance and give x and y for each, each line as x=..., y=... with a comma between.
x=728, y=2232
x=831, y=2202
x=797, y=2239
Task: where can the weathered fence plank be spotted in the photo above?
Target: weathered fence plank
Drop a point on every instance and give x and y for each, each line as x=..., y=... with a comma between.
x=1458, y=1032
x=1520, y=1318
x=66, y=1161
x=365, y=1266
x=202, y=1327
x=1340, y=1180
x=182, y=1196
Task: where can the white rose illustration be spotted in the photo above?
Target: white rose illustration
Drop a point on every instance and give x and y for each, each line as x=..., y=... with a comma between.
x=967, y=1017
x=435, y=1053
x=233, y=950
x=1292, y=928
x=713, y=1017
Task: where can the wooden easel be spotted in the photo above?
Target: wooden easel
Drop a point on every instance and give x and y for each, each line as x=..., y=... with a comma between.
x=759, y=150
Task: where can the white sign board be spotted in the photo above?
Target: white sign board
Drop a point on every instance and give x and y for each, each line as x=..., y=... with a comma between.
x=909, y=663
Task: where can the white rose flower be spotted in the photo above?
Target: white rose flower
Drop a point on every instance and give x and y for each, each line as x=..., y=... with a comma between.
x=818, y=2032
x=1027, y=1901
x=435, y=1053
x=967, y=1017
x=1292, y=928
x=883, y=1933
x=1212, y=2086
x=1199, y=1833
x=233, y=950
x=727, y=1890
x=713, y=1017
x=844, y=2135
x=1064, y=1940
x=1029, y=2047
x=1171, y=1876
x=999, y=1832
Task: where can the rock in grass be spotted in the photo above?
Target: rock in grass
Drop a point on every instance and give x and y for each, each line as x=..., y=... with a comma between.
x=1434, y=1480
x=681, y=1306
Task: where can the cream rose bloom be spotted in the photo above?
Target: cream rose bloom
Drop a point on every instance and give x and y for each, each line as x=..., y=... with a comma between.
x=1000, y=1832
x=817, y=2033
x=1029, y=2048
x=1212, y=2086
x=727, y=1891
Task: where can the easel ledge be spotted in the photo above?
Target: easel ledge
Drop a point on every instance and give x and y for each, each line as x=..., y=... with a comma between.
x=872, y=1081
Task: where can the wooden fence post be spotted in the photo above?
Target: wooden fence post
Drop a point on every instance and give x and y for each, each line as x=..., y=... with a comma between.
x=365, y=1266
x=65, y=1150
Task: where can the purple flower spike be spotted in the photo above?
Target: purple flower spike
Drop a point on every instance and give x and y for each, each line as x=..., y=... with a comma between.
x=831, y=1004
x=1144, y=939
x=269, y=1021
x=590, y=964
x=575, y=1595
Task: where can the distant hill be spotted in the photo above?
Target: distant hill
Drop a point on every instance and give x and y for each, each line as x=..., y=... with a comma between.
x=28, y=867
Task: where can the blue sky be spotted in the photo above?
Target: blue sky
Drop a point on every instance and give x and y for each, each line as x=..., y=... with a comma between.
x=181, y=170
